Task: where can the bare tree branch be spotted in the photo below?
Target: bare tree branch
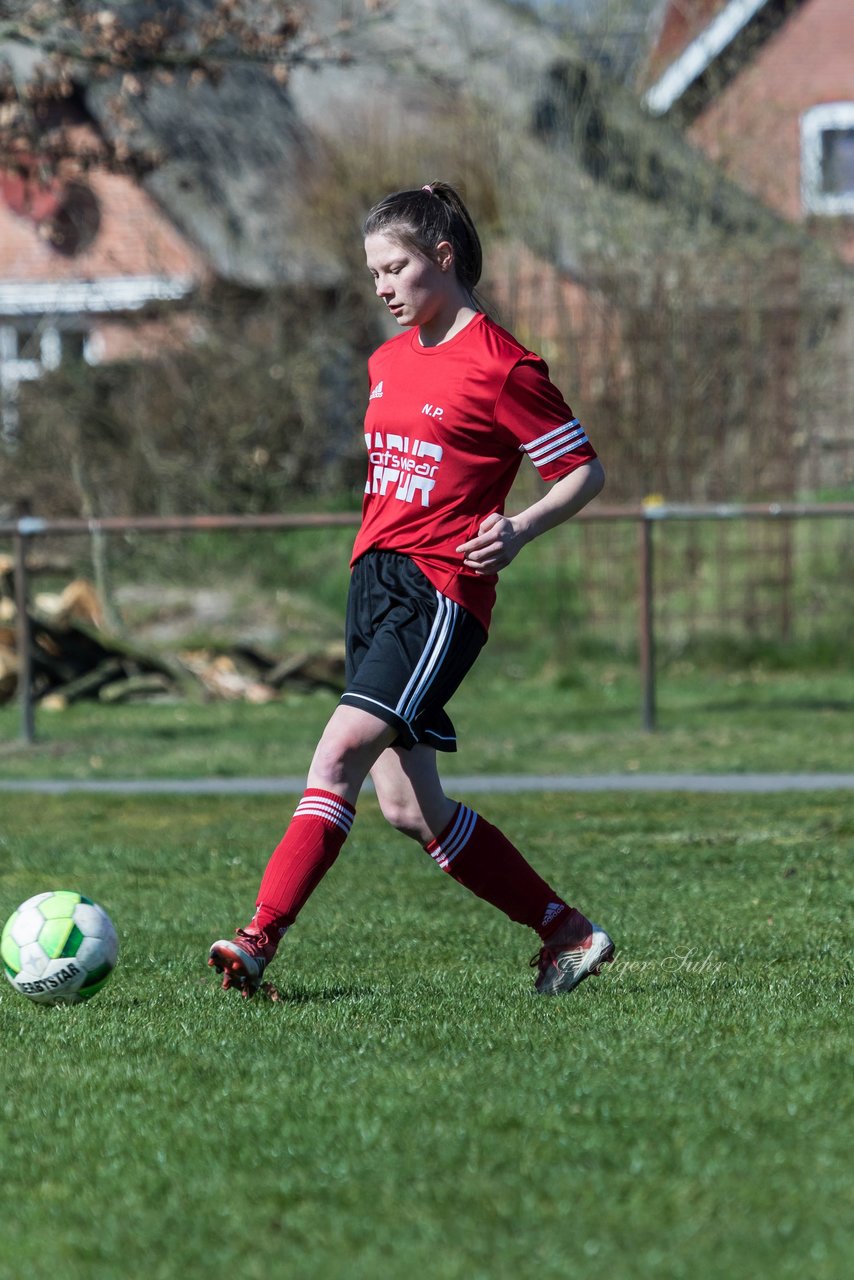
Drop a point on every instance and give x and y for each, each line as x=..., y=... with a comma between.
x=53, y=45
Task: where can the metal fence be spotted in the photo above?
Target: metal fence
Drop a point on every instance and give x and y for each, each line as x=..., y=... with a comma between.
x=640, y=580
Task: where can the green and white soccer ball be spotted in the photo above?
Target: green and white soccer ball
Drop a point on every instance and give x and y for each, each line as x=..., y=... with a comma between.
x=59, y=948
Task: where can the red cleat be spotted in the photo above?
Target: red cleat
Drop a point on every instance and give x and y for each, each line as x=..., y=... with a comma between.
x=243, y=959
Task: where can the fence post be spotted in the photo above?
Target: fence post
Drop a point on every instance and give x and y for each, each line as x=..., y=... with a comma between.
x=25, y=666
x=646, y=623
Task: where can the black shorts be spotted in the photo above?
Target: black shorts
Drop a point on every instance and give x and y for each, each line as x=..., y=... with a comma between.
x=408, y=648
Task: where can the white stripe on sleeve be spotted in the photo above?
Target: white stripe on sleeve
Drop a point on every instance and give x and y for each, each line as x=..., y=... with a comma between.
x=555, y=443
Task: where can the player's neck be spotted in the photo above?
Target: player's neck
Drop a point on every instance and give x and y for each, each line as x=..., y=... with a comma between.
x=446, y=325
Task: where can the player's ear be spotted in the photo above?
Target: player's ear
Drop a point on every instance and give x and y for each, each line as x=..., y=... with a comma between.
x=445, y=255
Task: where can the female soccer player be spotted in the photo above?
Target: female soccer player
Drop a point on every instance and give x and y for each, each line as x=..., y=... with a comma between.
x=455, y=402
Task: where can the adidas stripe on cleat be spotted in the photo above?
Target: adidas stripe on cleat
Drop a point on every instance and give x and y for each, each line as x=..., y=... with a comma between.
x=575, y=951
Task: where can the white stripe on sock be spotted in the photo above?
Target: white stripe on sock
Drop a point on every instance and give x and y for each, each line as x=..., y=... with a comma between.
x=457, y=838
x=335, y=813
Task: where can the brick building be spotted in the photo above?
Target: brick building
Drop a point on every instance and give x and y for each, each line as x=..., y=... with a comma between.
x=80, y=253
x=766, y=88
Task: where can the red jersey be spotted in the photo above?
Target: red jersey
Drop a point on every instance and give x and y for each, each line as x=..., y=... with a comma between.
x=446, y=430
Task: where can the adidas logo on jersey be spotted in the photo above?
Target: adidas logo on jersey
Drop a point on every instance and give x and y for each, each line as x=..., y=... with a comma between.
x=377, y=393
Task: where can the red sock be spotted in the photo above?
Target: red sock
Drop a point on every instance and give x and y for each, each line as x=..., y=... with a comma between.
x=309, y=847
x=478, y=856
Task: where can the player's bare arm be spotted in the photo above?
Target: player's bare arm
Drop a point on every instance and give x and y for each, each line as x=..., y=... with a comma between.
x=501, y=538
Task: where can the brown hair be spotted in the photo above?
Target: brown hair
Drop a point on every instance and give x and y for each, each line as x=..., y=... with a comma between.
x=421, y=218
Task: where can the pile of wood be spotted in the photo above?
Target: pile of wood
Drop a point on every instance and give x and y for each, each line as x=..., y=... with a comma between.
x=74, y=658
x=254, y=675
x=8, y=656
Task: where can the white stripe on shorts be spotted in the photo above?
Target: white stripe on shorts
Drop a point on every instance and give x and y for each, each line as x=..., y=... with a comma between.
x=437, y=646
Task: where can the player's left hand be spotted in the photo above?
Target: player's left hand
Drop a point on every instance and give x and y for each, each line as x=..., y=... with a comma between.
x=497, y=543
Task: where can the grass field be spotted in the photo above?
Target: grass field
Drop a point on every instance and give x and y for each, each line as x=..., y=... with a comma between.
x=709, y=720
x=408, y=1107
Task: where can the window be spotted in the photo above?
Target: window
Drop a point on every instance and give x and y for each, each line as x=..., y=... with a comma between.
x=827, y=159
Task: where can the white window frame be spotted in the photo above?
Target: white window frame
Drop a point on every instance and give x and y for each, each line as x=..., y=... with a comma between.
x=815, y=122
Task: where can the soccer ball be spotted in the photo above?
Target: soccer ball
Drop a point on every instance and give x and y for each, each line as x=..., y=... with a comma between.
x=59, y=948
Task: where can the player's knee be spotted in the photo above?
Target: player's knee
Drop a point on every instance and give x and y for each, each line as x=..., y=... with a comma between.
x=336, y=761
